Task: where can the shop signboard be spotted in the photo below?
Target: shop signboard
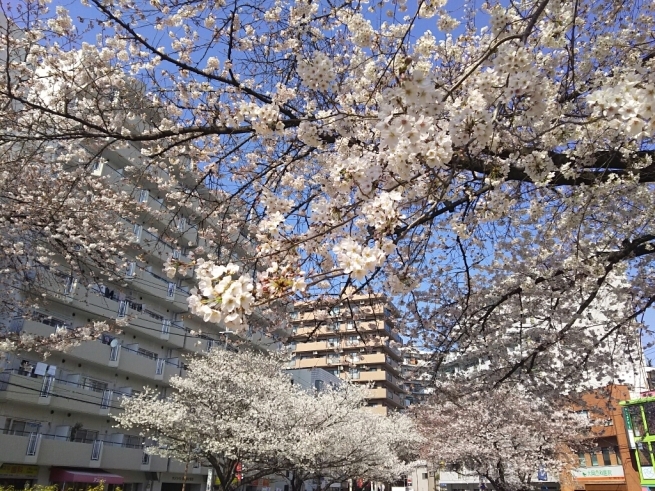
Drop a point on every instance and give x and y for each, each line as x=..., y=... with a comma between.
x=19, y=471
x=612, y=473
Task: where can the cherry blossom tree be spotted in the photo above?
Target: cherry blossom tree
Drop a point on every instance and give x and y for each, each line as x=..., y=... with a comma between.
x=350, y=442
x=492, y=172
x=241, y=408
x=504, y=436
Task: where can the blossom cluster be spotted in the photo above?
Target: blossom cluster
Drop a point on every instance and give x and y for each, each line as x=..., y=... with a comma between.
x=220, y=296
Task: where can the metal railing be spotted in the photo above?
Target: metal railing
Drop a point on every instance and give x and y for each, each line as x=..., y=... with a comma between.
x=115, y=351
x=160, y=366
x=106, y=399
x=33, y=444
x=96, y=450
x=46, y=388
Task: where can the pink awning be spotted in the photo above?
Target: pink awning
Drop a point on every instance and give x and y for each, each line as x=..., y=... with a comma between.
x=73, y=475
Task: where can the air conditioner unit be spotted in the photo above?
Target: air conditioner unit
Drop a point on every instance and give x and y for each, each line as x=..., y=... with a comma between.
x=362, y=350
x=315, y=353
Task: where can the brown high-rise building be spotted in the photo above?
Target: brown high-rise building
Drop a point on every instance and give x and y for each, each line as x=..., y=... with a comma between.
x=355, y=341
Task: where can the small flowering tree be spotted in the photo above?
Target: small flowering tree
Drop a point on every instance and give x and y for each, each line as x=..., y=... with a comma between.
x=229, y=409
x=233, y=409
x=351, y=442
x=505, y=436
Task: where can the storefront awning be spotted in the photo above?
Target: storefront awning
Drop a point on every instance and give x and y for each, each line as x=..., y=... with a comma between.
x=58, y=474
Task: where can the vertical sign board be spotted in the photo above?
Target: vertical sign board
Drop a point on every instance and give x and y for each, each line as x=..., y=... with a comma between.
x=628, y=428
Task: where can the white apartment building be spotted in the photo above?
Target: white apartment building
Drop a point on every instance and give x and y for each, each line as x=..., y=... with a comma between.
x=55, y=424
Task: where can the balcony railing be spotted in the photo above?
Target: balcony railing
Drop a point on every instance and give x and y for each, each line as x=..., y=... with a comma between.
x=46, y=388
x=96, y=450
x=114, y=353
x=106, y=399
x=33, y=444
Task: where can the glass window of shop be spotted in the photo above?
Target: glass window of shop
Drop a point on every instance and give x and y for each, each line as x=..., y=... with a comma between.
x=649, y=413
x=636, y=420
x=645, y=455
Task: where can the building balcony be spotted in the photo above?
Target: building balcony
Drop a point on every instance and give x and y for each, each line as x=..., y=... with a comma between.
x=196, y=344
x=378, y=409
x=120, y=457
x=58, y=450
x=385, y=394
x=148, y=283
x=125, y=359
x=70, y=397
x=33, y=327
x=22, y=389
x=165, y=330
x=314, y=346
x=129, y=360
x=14, y=448
x=57, y=394
x=381, y=376
x=319, y=362
x=93, y=352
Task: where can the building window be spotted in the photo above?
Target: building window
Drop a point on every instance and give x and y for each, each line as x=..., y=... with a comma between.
x=649, y=412
x=424, y=475
x=133, y=441
x=644, y=454
x=618, y=456
x=594, y=458
x=606, y=456
x=318, y=385
x=81, y=435
x=93, y=384
x=19, y=427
